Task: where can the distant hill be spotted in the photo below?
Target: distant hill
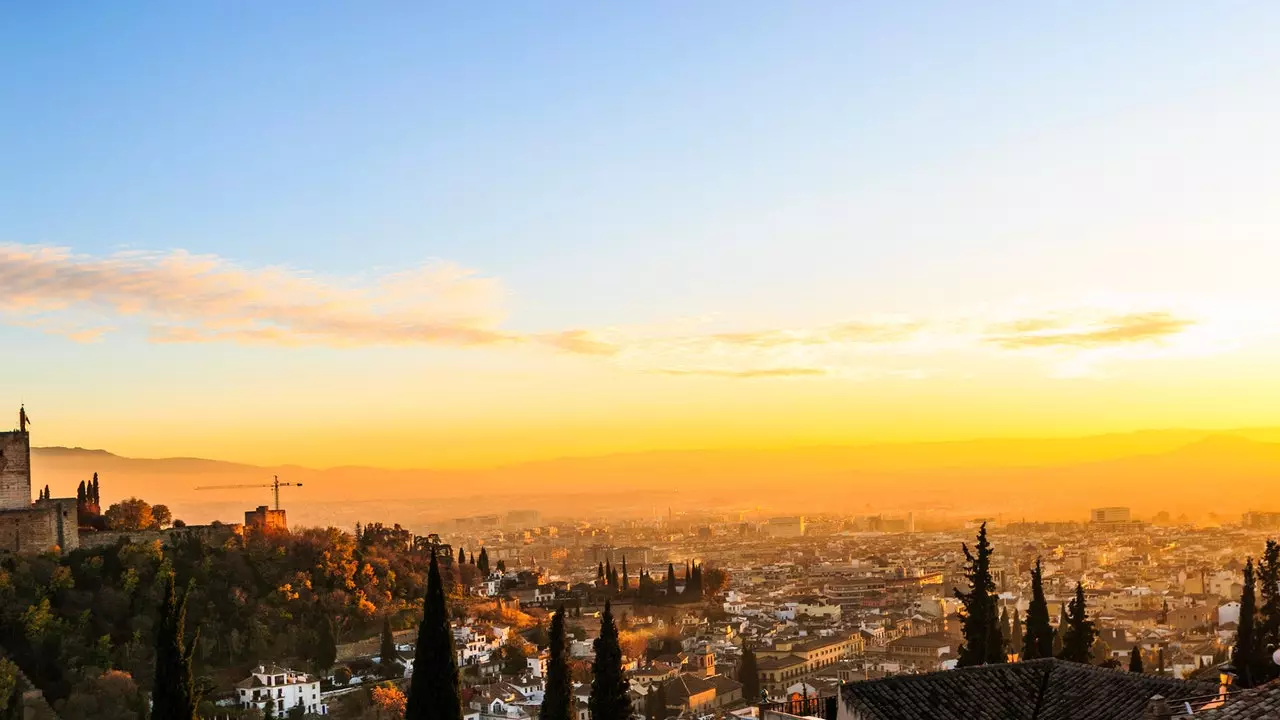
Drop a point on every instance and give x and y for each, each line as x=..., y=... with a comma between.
x=1182, y=471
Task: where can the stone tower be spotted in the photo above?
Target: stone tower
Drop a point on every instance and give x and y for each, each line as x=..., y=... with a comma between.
x=15, y=470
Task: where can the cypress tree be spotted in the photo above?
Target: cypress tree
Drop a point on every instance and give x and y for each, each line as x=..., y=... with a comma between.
x=388, y=653
x=749, y=676
x=80, y=495
x=557, y=702
x=671, y=581
x=1163, y=619
x=1080, y=632
x=1006, y=633
x=483, y=562
x=982, y=643
x=47, y=495
x=471, y=557
x=175, y=696
x=1267, y=627
x=433, y=691
x=600, y=572
x=326, y=653
x=1245, y=653
x=626, y=581
x=462, y=556
x=97, y=497
x=609, y=699
x=1135, y=660
x=613, y=578
x=608, y=573
x=1015, y=633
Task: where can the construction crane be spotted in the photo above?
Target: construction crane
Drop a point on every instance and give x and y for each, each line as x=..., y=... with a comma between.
x=275, y=486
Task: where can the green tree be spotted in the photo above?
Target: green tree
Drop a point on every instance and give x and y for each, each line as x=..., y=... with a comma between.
x=1268, y=623
x=982, y=642
x=1080, y=632
x=1006, y=632
x=557, y=702
x=175, y=696
x=608, y=700
x=1246, y=653
x=389, y=657
x=671, y=581
x=462, y=556
x=433, y=692
x=483, y=562
x=10, y=692
x=1015, y=633
x=749, y=675
x=626, y=579
x=325, y=651
x=1135, y=660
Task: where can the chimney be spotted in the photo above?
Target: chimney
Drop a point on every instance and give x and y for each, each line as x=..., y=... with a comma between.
x=1157, y=709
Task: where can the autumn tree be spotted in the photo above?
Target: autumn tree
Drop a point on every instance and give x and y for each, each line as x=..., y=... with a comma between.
x=389, y=701
x=982, y=641
x=130, y=514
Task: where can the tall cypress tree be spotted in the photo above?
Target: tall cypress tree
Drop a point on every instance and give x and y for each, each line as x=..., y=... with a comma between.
x=175, y=696
x=982, y=643
x=1135, y=660
x=97, y=496
x=1006, y=632
x=326, y=650
x=626, y=581
x=1080, y=632
x=557, y=702
x=1015, y=633
x=608, y=688
x=433, y=691
x=462, y=556
x=1038, y=641
x=600, y=572
x=483, y=562
x=1267, y=627
x=388, y=654
x=749, y=676
x=671, y=581
x=1245, y=653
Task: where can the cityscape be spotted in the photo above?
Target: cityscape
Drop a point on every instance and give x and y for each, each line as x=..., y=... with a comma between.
x=697, y=360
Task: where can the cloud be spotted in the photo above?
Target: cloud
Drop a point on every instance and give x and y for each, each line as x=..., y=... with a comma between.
x=1109, y=331
x=579, y=342
x=180, y=297
x=852, y=332
x=783, y=372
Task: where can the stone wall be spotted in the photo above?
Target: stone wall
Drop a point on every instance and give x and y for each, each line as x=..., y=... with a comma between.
x=208, y=533
x=15, y=470
x=31, y=530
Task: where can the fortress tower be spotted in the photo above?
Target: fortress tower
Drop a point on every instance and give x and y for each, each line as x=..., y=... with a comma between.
x=27, y=526
x=15, y=470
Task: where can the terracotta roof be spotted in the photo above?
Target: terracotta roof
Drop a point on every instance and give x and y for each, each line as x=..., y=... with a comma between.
x=1062, y=690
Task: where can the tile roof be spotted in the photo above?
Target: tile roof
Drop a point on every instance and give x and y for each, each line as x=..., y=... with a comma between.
x=1063, y=690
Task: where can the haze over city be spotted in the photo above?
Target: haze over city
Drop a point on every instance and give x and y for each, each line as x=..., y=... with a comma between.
x=710, y=360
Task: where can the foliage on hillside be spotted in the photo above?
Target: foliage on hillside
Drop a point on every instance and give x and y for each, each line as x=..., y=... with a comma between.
x=258, y=599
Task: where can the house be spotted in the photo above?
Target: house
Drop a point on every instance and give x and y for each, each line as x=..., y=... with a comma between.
x=283, y=688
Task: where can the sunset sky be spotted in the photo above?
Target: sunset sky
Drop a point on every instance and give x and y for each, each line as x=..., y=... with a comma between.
x=466, y=234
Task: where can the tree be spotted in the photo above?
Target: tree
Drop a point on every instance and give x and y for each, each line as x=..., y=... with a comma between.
x=671, y=581
x=982, y=642
x=483, y=562
x=1135, y=660
x=502, y=566
x=1006, y=632
x=626, y=579
x=96, y=496
x=10, y=692
x=1080, y=632
x=600, y=576
x=160, y=516
x=1267, y=627
x=389, y=701
x=130, y=514
x=462, y=556
x=325, y=652
x=433, y=692
x=1245, y=654
x=1015, y=633
x=713, y=580
x=389, y=658
x=113, y=695
x=749, y=675
x=608, y=700
x=175, y=696
x=557, y=702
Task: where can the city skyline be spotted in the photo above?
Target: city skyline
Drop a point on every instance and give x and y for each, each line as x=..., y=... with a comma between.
x=435, y=237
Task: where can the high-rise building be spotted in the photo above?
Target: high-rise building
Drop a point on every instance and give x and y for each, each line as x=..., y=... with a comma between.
x=1109, y=515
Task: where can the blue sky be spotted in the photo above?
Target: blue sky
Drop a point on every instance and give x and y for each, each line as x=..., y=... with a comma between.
x=773, y=164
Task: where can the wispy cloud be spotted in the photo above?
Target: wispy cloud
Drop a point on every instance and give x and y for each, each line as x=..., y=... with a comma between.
x=1114, y=330
x=784, y=372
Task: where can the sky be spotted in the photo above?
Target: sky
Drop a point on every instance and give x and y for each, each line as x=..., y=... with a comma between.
x=469, y=234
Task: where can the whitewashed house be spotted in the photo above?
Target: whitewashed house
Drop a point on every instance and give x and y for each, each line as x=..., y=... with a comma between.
x=283, y=688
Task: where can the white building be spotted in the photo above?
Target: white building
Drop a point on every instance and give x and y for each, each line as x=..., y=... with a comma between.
x=285, y=689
